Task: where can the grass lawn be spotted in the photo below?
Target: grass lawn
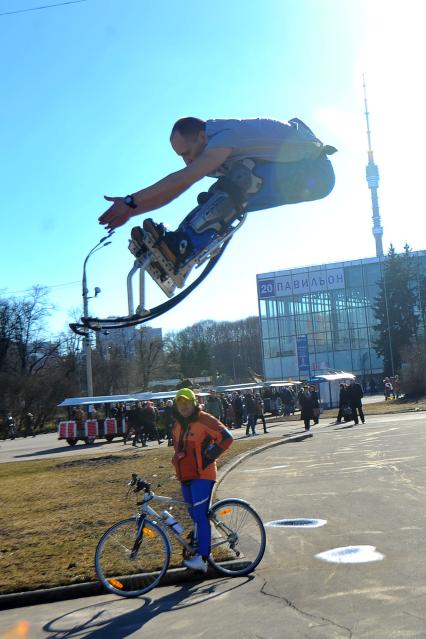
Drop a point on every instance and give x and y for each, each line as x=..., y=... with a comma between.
x=53, y=512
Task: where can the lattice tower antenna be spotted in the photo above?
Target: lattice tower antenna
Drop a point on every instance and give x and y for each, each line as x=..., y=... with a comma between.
x=372, y=176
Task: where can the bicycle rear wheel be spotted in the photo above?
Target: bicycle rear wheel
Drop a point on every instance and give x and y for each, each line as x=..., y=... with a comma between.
x=238, y=537
x=127, y=571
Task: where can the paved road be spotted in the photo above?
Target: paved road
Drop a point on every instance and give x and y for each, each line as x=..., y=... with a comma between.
x=367, y=482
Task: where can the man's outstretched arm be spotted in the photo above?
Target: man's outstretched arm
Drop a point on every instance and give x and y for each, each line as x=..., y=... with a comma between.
x=164, y=191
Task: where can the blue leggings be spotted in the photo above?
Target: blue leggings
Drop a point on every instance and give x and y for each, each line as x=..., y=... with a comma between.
x=197, y=494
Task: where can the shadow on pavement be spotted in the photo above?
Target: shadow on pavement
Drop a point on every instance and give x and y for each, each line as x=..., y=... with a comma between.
x=344, y=427
x=103, y=622
x=62, y=449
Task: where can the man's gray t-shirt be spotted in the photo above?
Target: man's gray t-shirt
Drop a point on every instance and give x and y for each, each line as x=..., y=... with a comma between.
x=263, y=139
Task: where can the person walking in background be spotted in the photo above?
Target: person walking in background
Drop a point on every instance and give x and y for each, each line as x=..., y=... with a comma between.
x=287, y=400
x=396, y=387
x=168, y=421
x=355, y=395
x=29, y=425
x=134, y=421
x=315, y=404
x=260, y=405
x=214, y=405
x=388, y=390
x=237, y=405
x=306, y=405
x=343, y=402
x=251, y=414
x=10, y=427
x=149, y=423
x=229, y=415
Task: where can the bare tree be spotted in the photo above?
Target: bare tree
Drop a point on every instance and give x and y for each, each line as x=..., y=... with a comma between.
x=212, y=347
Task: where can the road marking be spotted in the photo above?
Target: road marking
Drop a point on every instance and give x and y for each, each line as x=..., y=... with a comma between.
x=296, y=523
x=351, y=555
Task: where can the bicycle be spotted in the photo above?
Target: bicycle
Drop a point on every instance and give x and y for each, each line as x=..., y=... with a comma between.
x=134, y=554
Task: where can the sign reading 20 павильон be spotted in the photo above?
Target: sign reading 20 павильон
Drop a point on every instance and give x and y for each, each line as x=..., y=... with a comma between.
x=300, y=283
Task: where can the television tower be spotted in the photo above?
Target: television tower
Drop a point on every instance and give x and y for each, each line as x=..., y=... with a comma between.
x=372, y=175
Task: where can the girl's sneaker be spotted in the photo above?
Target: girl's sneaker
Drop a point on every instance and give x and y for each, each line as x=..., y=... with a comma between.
x=196, y=563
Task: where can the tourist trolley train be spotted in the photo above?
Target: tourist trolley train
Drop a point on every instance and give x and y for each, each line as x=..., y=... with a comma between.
x=100, y=423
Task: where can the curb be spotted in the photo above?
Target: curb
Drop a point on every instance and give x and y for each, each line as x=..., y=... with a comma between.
x=90, y=589
x=93, y=588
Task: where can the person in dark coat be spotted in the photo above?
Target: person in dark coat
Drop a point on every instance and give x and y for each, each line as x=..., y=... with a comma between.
x=251, y=414
x=169, y=420
x=29, y=425
x=355, y=395
x=237, y=405
x=260, y=414
x=343, y=402
x=134, y=420
x=306, y=401
x=315, y=404
x=149, y=416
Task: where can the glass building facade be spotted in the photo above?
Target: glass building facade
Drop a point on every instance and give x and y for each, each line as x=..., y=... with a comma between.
x=320, y=318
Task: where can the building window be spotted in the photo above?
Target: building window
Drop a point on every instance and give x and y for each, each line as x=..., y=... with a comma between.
x=323, y=342
x=353, y=276
x=287, y=347
x=269, y=328
x=287, y=326
x=372, y=273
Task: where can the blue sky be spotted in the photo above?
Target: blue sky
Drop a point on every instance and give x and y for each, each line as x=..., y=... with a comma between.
x=91, y=90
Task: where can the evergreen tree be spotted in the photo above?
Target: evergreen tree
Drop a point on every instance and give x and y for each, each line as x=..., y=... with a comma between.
x=395, y=309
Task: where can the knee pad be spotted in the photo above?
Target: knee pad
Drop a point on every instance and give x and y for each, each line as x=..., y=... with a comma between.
x=226, y=199
x=215, y=212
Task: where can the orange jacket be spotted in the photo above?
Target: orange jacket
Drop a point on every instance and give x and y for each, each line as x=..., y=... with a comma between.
x=198, y=446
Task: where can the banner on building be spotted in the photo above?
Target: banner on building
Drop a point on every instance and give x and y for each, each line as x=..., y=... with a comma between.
x=303, y=355
x=300, y=283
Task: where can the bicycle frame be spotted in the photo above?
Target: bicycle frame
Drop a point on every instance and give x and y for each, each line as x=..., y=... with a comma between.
x=147, y=510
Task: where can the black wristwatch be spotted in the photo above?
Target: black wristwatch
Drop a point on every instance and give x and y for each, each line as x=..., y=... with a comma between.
x=129, y=200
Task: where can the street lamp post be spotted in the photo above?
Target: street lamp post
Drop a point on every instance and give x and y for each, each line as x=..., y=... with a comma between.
x=85, y=291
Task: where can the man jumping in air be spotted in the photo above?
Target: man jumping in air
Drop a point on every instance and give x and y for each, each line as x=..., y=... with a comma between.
x=259, y=163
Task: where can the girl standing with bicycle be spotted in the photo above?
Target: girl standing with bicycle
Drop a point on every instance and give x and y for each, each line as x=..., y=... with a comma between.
x=198, y=439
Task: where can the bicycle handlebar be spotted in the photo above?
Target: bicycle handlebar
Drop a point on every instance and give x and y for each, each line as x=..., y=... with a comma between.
x=138, y=484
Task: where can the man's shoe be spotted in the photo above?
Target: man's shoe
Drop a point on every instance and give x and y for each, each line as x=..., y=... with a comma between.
x=138, y=241
x=156, y=231
x=196, y=563
x=158, y=234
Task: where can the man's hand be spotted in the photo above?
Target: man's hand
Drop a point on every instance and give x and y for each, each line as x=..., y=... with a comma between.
x=164, y=191
x=117, y=214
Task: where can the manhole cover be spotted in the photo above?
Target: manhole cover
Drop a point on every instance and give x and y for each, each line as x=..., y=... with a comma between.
x=351, y=555
x=296, y=523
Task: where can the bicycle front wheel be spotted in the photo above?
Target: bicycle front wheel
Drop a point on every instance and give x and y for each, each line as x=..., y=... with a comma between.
x=238, y=537
x=127, y=568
